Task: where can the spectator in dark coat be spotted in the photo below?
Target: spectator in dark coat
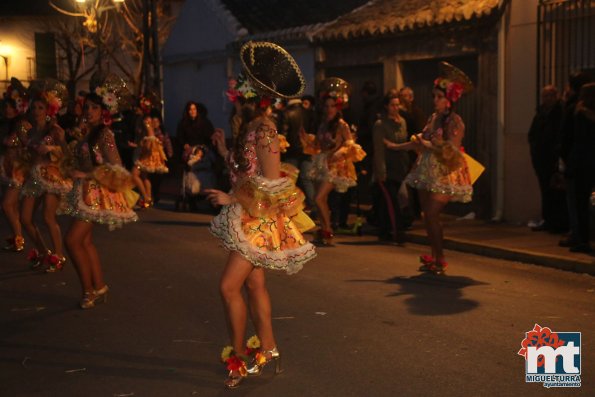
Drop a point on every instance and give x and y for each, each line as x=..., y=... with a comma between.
x=575, y=83
x=543, y=141
x=195, y=128
x=580, y=167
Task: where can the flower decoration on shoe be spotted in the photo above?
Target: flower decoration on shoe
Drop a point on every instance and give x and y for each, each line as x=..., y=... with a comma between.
x=253, y=343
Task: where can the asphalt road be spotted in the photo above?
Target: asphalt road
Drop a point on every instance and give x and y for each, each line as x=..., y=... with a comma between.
x=359, y=320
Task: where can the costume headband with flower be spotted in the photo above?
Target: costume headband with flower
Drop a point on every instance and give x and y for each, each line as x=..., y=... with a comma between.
x=149, y=101
x=453, y=82
x=51, y=91
x=18, y=93
x=114, y=92
x=241, y=90
x=336, y=88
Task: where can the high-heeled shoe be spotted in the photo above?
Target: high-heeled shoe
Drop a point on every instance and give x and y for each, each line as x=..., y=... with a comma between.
x=36, y=259
x=428, y=263
x=324, y=238
x=88, y=301
x=55, y=263
x=234, y=378
x=440, y=267
x=14, y=244
x=262, y=358
x=101, y=294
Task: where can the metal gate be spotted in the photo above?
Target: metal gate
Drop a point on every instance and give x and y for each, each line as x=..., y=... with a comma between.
x=566, y=40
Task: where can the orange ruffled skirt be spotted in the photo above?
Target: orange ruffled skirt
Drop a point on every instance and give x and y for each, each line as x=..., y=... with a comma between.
x=432, y=175
x=91, y=202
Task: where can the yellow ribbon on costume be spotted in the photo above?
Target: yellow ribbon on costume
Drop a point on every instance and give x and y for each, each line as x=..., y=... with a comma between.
x=303, y=222
x=474, y=166
x=114, y=177
x=131, y=197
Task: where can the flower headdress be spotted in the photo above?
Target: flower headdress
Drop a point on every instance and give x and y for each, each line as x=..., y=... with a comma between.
x=336, y=88
x=239, y=88
x=53, y=92
x=453, y=82
x=148, y=102
x=113, y=90
x=18, y=93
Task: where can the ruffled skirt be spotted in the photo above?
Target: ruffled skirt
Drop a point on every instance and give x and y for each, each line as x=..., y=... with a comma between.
x=268, y=242
x=338, y=168
x=90, y=201
x=46, y=178
x=431, y=175
x=151, y=158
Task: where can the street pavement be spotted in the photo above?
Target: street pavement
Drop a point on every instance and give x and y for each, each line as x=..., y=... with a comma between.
x=359, y=320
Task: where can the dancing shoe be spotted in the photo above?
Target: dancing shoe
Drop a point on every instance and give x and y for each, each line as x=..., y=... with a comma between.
x=88, y=301
x=440, y=267
x=36, y=259
x=262, y=358
x=92, y=298
x=101, y=294
x=235, y=377
x=428, y=263
x=324, y=238
x=54, y=263
x=15, y=244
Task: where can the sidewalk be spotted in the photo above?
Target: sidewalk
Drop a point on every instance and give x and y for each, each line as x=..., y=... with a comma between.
x=497, y=240
x=504, y=241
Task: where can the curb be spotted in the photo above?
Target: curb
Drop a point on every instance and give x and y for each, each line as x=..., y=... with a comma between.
x=491, y=251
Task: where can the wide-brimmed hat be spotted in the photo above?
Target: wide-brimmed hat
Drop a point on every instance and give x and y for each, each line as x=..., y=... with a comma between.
x=336, y=88
x=452, y=81
x=272, y=71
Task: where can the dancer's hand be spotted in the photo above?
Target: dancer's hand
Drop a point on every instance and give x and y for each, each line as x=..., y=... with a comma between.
x=217, y=197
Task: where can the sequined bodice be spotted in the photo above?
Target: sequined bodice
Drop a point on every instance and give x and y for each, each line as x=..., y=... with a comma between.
x=262, y=134
x=326, y=138
x=103, y=151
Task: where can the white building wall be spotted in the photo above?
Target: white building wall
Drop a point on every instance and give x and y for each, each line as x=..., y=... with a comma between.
x=521, y=192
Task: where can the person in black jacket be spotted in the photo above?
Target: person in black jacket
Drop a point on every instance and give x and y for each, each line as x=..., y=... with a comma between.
x=580, y=167
x=543, y=139
x=575, y=83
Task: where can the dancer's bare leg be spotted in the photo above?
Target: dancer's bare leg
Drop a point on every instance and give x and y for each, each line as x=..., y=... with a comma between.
x=260, y=308
x=50, y=206
x=10, y=205
x=78, y=232
x=28, y=207
x=234, y=276
x=324, y=189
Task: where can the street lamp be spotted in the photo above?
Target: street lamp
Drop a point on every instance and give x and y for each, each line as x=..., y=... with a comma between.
x=4, y=54
x=91, y=10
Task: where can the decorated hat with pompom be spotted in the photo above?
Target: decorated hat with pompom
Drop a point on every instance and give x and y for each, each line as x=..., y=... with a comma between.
x=453, y=82
x=113, y=90
x=51, y=91
x=17, y=92
x=336, y=88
